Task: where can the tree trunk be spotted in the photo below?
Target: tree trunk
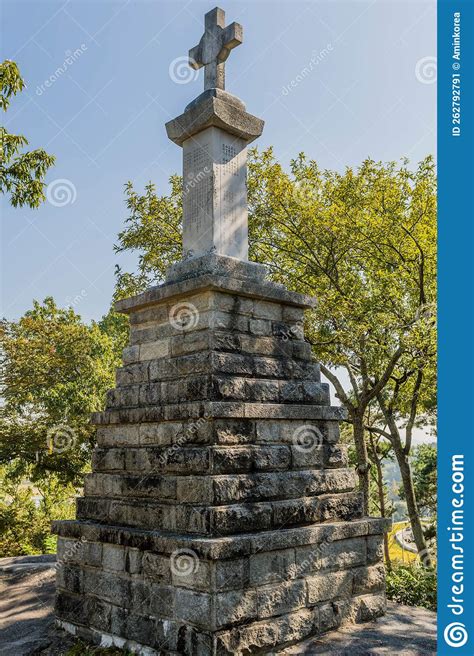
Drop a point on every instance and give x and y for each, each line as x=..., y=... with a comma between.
x=362, y=458
x=381, y=494
x=412, y=508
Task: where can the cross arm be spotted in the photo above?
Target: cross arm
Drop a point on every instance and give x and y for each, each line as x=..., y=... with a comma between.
x=195, y=57
x=232, y=36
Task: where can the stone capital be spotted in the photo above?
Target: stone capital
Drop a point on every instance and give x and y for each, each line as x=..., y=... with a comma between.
x=218, y=110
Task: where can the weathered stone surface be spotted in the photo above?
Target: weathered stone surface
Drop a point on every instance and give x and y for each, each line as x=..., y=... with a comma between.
x=271, y=567
x=322, y=587
x=369, y=579
x=281, y=598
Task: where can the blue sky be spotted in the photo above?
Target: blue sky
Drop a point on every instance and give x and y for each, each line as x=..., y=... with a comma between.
x=372, y=94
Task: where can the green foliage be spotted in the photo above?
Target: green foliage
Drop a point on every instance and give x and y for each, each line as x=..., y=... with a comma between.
x=25, y=526
x=413, y=585
x=55, y=371
x=424, y=468
x=353, y=240
x=21, y=174
x=153, y=230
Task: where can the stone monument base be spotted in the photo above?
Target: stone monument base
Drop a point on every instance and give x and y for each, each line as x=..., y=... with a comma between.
x=253, y=593
x=221, y=516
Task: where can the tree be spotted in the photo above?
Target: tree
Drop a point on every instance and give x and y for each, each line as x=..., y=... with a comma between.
x=21, y=174
x=424, y=468
x=55, y=371
x=153, y=230
x=363, y=242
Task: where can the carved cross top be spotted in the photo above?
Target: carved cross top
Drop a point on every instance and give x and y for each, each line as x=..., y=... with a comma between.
x=214, y=48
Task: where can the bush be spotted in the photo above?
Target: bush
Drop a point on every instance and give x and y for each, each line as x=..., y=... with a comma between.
x=413, y=585
x=25, y=526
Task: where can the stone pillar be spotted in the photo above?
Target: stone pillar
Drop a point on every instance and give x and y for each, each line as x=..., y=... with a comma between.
x=214, y=132
x=221, y=516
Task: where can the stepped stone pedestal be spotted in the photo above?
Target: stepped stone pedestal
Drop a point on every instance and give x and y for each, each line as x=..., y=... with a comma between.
x=220, y=516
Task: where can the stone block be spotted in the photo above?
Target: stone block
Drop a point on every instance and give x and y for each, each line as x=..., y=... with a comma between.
x=267, y=634
x=113, y=557
x=115, y=436
x=281, y=598
x=231, y=574
x=368, y=607
x=234, y=607
x=369, y=579
x=260, y=327
x=70, y=577
x=133, y=561
x=374, y=549
x=156, y=567
x=238, y=518
x=130, y=354
x=158, y=434
x=272, y=567
x=158, y=349
x=341, y=554
x=335, y=585
x=233, y=431
x=194, y=489
x=194, y=607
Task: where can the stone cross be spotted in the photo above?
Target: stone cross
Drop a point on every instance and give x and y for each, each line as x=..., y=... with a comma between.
x=214, y=48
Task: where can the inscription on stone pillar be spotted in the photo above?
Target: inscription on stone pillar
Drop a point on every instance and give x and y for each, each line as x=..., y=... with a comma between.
x=215, y=195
